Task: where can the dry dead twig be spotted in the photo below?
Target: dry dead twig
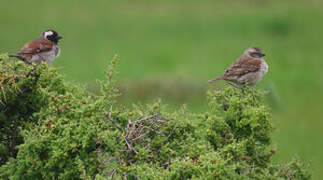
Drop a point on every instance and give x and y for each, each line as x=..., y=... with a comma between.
x=137, y=132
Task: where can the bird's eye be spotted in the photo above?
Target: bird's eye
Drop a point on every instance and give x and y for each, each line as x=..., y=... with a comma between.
x=256, y=55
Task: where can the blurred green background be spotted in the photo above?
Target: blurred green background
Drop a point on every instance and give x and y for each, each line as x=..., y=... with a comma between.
x=171, y=48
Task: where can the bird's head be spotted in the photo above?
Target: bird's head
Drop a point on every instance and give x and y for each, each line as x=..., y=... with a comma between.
x=254, y=52
x=51, y=35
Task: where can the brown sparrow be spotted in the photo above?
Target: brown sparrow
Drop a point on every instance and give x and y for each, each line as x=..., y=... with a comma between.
x=44, y=48
x=247, y=70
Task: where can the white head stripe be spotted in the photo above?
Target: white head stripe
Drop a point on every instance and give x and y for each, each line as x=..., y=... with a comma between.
x=48, y=33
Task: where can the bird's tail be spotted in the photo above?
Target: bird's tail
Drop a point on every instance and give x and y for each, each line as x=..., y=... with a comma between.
x=16, y=56
x=216, y=79
x=19, y=57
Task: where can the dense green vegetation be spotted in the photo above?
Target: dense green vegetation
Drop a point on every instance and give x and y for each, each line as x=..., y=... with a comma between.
x=51, y=129
x=170, y=48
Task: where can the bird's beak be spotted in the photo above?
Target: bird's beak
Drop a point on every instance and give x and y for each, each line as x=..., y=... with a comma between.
x=59, y=37
x=262, y=55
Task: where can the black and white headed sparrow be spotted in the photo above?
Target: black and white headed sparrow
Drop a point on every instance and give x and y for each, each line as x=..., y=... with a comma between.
x=247, y=70
x=44, y=48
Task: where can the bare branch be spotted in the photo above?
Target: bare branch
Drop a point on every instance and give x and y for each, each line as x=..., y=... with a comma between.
x=111, y=119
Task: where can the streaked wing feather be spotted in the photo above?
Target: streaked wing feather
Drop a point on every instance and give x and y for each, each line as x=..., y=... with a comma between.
x=36, y=46
x=243, y=66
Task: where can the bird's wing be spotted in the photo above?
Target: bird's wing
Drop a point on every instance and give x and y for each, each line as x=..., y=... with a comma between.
x=243, y=66
x=36, y=46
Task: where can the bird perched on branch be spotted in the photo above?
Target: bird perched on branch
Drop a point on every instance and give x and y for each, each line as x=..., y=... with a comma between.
x=247, y=70
x=44, y=48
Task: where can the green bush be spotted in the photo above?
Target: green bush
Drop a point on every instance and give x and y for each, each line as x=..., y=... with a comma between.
x=51, y=129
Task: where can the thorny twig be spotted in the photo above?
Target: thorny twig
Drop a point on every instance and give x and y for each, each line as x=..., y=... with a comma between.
x=113, y=172
x=135, y=132
x=111, y=119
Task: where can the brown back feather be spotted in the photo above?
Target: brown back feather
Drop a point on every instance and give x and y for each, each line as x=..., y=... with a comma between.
x=243, y=66
x=36, y=46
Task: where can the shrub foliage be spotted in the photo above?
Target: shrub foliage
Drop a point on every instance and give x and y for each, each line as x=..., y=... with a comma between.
x=51, y=129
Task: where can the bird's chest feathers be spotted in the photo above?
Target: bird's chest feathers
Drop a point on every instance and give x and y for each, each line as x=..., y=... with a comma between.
x=57, y=51
x=263, y=67
x=47, y=56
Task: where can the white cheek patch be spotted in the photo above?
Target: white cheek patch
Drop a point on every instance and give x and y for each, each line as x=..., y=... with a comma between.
x=48, y=33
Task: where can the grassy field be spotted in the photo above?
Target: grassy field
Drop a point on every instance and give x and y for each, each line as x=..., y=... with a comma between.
x=171, y=48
